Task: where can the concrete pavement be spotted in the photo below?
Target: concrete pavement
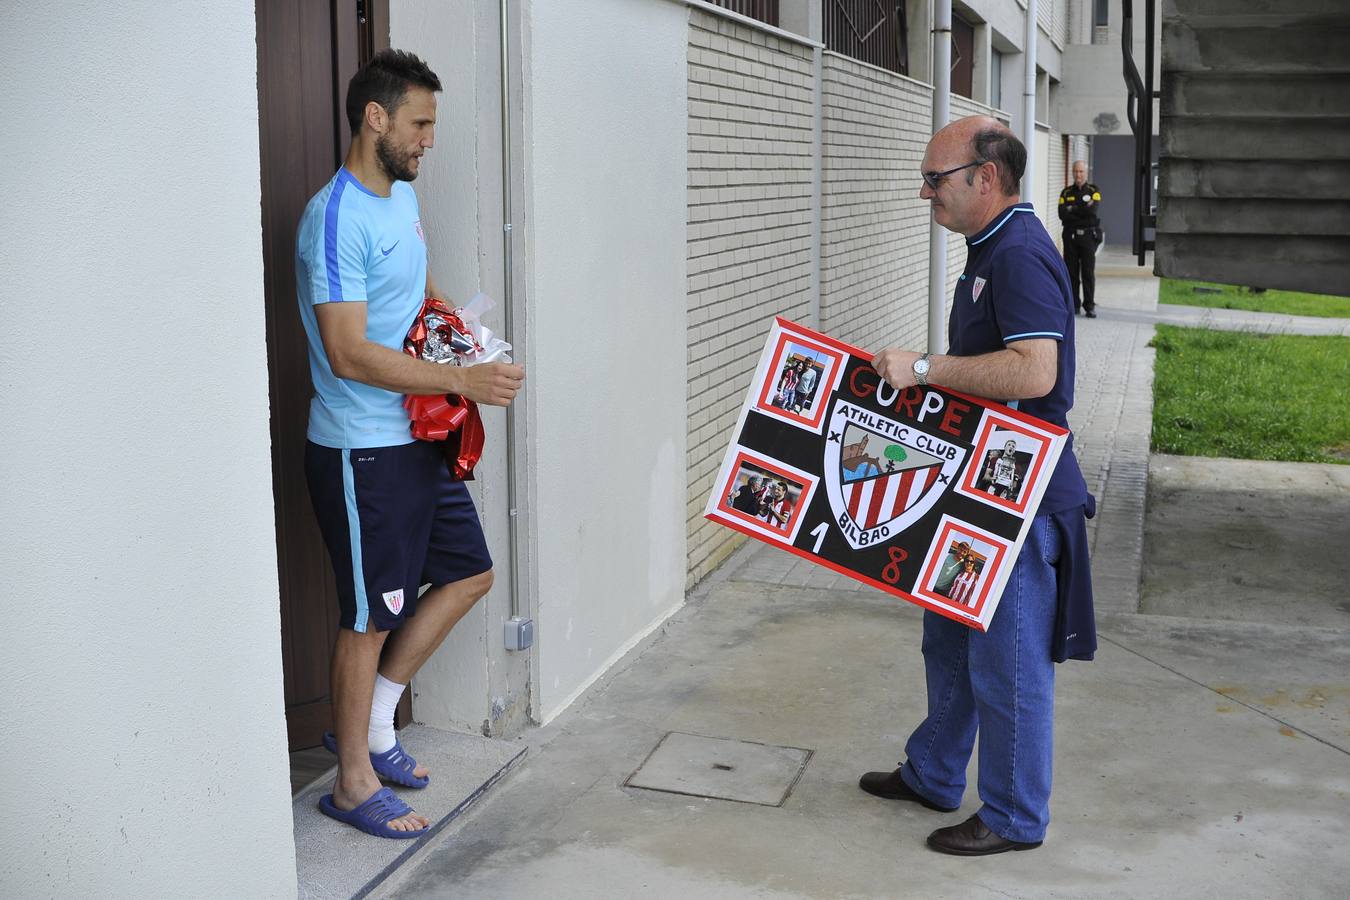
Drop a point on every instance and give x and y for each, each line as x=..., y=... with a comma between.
x=1201, y=754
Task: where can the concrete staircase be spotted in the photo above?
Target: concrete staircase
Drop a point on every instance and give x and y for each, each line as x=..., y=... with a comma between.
x=1254, y=168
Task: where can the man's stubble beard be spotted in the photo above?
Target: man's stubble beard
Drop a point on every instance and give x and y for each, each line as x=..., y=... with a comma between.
x=394, y=166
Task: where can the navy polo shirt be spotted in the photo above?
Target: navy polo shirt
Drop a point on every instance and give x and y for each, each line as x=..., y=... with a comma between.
x=1016, y=288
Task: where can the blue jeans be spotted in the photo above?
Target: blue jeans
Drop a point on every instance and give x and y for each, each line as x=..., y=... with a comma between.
x=1001, y=683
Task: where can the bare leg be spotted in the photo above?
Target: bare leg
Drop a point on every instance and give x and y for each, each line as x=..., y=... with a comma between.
x=355, y=658
x=438, y=611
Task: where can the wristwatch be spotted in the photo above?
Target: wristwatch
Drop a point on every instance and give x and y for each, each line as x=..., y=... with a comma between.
x=921, y=367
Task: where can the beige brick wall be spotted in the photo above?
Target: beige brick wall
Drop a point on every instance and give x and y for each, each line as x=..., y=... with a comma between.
x=751, y=146
x=874, y=228
x=750, y=237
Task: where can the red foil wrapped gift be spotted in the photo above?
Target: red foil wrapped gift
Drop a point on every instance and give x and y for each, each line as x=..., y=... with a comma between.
x=439, y=335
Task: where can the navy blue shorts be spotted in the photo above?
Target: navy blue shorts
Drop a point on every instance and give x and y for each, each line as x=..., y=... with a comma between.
x=393, y=520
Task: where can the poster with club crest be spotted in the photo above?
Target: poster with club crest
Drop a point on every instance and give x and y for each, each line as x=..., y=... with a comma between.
x=925, y=493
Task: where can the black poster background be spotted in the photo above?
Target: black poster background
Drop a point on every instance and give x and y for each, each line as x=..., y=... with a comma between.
x=897, y=562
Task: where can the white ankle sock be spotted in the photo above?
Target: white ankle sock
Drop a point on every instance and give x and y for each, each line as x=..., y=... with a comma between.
x=382, y=705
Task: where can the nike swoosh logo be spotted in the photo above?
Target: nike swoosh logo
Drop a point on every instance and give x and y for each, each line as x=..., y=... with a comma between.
x=390, y=250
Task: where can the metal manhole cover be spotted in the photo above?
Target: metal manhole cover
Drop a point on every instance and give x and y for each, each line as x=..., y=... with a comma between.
x=723, y=769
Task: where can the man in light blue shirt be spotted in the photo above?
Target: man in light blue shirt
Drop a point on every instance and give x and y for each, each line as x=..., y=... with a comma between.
x=392, y=516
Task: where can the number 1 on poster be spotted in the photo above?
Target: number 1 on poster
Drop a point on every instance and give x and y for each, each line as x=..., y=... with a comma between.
x=819, y=533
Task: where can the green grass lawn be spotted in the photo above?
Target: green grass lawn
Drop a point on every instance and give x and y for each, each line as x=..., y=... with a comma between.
x=1248, y=396
x=1293, y=303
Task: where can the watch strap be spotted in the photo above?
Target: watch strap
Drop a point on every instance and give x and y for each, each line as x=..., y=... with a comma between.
x=921, y=372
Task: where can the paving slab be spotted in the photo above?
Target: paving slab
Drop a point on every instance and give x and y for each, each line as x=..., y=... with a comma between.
x=1158, y=792
x=1250, y=321
x=1298, y=677
x=1247, y=540
x=334, y=860
x=721, y=769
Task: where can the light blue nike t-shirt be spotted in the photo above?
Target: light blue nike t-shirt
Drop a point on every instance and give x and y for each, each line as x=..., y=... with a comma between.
x=355, y=246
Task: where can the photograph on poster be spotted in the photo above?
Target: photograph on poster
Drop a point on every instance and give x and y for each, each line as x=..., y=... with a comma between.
x=961, y=565
x=799, y=381
x=766, y=495
x=1008, y=456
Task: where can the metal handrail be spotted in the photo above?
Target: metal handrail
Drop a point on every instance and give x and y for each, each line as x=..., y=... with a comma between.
x=1134, y=85
x=1139, y=112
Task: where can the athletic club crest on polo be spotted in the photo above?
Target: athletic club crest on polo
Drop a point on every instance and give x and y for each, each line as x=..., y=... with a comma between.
x=881, y=475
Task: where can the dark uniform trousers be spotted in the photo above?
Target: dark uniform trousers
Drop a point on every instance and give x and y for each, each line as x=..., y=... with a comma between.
x=1082, y=235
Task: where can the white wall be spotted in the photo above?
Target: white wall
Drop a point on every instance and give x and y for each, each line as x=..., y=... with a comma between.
x=606, y=163
x=1041, y=186
x=142, y=730
x=452, y=689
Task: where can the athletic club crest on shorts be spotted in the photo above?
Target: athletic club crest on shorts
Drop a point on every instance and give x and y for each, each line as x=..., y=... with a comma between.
x=881, y=476
x=394, y=600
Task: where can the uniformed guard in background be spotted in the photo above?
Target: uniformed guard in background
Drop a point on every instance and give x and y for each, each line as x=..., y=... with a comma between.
x=1082, y=236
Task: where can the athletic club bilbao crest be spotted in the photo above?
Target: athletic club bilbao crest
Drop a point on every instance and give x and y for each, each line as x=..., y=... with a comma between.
x=882, y=476
x=394, y=600
x=975, y=290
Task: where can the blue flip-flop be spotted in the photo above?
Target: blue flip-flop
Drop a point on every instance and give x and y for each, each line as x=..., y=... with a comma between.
x=374, y=815
x=392, y=765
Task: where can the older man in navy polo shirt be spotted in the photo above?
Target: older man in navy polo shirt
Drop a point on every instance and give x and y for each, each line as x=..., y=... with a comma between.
x=1011, y=339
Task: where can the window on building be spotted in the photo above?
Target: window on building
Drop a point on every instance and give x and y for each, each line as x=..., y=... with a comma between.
x=996, y=79
x=765, y=11
x=869, y=31
x=963, y=56
x=1101, y=17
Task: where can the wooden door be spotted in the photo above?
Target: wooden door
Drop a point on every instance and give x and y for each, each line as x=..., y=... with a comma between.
x=307, y=51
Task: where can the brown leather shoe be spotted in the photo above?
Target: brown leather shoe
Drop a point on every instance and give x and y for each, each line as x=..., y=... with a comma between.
x=892, y=787
x=972, y=838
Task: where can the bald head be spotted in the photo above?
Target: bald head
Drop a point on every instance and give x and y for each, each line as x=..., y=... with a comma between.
x=991, y=160
x=963, y=131
x=989, y=140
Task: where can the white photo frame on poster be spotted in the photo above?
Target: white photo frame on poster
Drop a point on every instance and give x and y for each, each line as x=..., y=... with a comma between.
x=991, y=558
x=1010, y=463
x=734, y=479
x=791, y=349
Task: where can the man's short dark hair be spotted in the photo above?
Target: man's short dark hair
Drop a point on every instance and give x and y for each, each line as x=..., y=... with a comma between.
x=386, y=80
x=1006, y=152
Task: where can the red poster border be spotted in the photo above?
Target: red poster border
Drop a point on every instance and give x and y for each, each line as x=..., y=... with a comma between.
x=964, y=616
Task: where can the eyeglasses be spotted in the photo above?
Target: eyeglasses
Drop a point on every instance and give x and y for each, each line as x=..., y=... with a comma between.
x=934, y=179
